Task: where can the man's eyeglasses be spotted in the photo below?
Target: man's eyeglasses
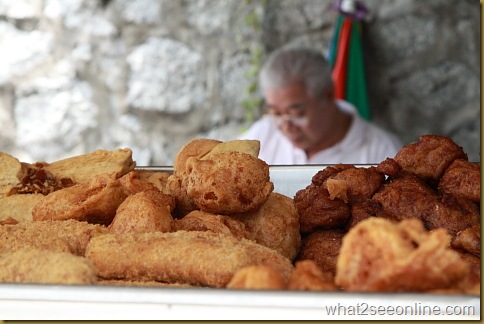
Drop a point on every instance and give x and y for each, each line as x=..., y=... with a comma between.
x=299, y=121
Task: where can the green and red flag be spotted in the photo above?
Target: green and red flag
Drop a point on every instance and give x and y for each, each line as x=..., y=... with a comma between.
x=346, y=56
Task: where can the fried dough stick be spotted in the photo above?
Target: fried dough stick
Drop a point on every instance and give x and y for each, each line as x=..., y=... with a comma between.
x=66, y=236
x=198, y=258
x=48, y=267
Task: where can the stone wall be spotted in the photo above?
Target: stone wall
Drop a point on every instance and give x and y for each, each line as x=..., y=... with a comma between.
x=79, y=75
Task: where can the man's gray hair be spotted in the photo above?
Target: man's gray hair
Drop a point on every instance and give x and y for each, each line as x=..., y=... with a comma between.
x=289, y=65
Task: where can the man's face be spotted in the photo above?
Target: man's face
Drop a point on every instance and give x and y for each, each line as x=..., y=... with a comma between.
x=303, y=119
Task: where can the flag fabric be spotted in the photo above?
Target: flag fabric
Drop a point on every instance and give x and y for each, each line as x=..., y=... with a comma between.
x=346, y=58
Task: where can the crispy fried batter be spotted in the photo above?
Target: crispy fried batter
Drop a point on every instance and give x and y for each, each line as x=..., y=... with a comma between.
x=275, y=225
x=46, y=267
x=317, y=210
x=379, y=255
x=309, y=277
x=198, y=220
x=95, y=202
x=145, y=211
x=462, y=179
x=257, y=277
x=430, y=156
x=228, y=183
x=322, y=247
x=65, y=236
x=198, y=258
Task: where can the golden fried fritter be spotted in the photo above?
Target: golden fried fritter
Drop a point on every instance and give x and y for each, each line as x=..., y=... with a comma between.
x=145, y=211
x=158, y=178
x=46, y=267
x=198, y=220
x=430, y=156
x=379, y=255
x=196, y=148
x=322, y=247
x=318, y=211
x=133, y=184
x=81, y=168
x=95, y=202
x=65, y=236
x=462, y=179
x=228, y=183
x=275, y=225
x=198, y=258
x=309, y=277
x=19, y=207
x=257, y=277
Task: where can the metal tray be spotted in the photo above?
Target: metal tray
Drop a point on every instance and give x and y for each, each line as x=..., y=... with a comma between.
x=75, y=302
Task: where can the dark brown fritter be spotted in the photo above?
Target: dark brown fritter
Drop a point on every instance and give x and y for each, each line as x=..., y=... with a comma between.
x=322, y=247
x=329, y=171
x=317, y=210
x=430, y=156
x=469, y=240
x=354, y=184
x=406, y=197
x=409, y=197
x=389, y=167
x=462, y=179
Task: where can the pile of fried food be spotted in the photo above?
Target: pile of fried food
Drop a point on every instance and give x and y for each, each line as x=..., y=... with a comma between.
x=408, y=224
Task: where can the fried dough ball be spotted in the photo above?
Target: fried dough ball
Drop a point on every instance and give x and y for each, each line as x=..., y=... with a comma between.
x=260, y=277
x=176, y=184
x=462, y=179
x=275, y=225
x=469, y=240
x=228, y=183
x=379, y=255
x=430, y=156
x=354, y=184
x=308, y=276
x=317, y=210
x=145, y=211
x=322, y=247
x=95, y=202
x=198, y=220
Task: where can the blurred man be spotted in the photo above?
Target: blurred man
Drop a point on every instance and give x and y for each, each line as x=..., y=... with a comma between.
x=305, y=124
